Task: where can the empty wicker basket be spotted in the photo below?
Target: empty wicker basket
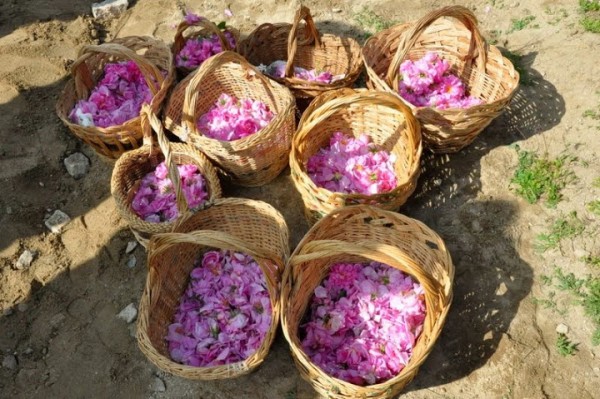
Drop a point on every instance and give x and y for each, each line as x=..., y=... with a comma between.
x=154, y=59
x=390, y=124
x=362, y=234
x=185, y=31
x=250, y=161
x=252, y=227
x=132, y=166
x=486, y=73
x=304, y=46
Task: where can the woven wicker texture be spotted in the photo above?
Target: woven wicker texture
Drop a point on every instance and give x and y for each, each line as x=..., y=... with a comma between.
x=186, y=31
x=251, y=227
x=151, y=55
x=304, y=46
x=486, y=73
x=360, y=234
x=253, y=160
x=383, y=117
x=132, y=166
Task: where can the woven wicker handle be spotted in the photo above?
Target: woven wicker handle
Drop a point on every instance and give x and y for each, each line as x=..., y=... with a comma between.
x=303, y=13
x=331, y=102
x=151, y=122
x=207, y=26
x=193, y=89
x=408, y=41
x=83, y=78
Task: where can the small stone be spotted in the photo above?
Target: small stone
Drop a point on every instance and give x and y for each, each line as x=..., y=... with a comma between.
x=9, y=210
x=131, y=245
x=336, y=10
x=24, y=260
x=476, y=227
x=57, y=221
x=158, y=385
x=437, y=182
x=22, y=307
x=129, y=313
x=9, y=362
x=133, y=330
x=132, y=261
x=57, y=319
x=44, y=351
x=562, y=328
x=41, y=184
x=109, y=8
x=28, y=351
x=77, y=165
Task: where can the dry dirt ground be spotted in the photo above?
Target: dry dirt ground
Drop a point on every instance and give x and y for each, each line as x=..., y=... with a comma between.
x=58, y=317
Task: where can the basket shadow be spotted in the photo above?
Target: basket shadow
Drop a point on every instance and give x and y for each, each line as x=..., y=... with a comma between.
x=491, y=281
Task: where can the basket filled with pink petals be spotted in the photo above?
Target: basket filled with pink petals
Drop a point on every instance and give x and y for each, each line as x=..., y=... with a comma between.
x=101, y=102
x=443, y=69
x=211, y=306
x=364, y=298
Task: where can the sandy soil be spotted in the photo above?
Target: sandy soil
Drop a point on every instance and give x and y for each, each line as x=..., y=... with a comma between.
x=58, y=318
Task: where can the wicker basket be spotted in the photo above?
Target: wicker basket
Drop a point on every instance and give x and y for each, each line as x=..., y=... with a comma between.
x=361, y=234
x=207, y=28
x=132, y=166
x=250, y=161
x=305, y=47
x=382, y=116
x=486, y=73
x=151, y=56
x=251, y=227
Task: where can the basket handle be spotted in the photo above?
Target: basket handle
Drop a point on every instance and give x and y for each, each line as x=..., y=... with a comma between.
x=150, y=122
x=193, y=89
x=329, y=103
x=215, y=239
x=303, y=13
x=83, y=77
x=477, y=48
x=206, y=25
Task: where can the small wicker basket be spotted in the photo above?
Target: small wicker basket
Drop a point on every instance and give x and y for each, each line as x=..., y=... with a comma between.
x=485, y=72
x=382, y=116
x=132, y=166
x=252, y=227
x=152, y=57
x=250, y=161
x=304, y=47
x=207, y=28
x=362, y=234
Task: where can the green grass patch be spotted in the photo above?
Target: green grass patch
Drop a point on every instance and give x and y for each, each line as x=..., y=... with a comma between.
x=565, y=346
x=591, y=260
x=587, y=5
x=590, y=113
x=372, y=22
x=538, y=177
x=521, y=23
x=593, y=207
x=564, y=227
x=591, y=15
x=591, y=24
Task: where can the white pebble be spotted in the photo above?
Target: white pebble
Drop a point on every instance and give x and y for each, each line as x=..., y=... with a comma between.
x=57, y=221
x=132, y=261
x=158, y=385
x=24, y=260
x=129, y=313
x=562, y=328
x=131, y=245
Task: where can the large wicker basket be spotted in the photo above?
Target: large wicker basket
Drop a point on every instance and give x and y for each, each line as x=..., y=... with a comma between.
x=152, y=56
x=251, y=227
x=132, y=166
x=304, y=46
x=185, y=32
x=383, y=117
x=250, y=161
x=361, y=234
x=486, y=73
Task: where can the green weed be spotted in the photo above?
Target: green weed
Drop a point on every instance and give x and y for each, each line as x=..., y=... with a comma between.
x=568, y=282
x=593, y=207
x=589, y=5
x=591, y=260
x=536, y=177
x=591, y=24
x=591, y=15
x=372, y=22
x=564, y=227
x=590, y=113
x=520, y=24
x=564, y=346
